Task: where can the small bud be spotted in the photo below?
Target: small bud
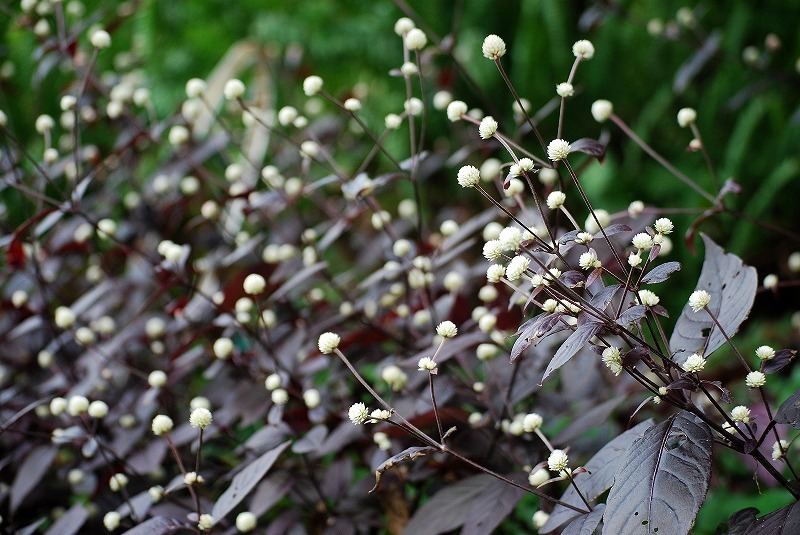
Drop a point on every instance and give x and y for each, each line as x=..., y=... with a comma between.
x=602, y=110
x=328, y=342
x=493, y=47
x=100, y=39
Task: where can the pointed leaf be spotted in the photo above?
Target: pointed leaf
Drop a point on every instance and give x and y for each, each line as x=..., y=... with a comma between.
x=598, y=478
x=784, y=521
x=30, y=473
x=489, y=508
x=739, y=523
x=789, y=411
x=408, y=454
x=155, y=526
x=781, y=359
x=732, y=286
x=449, y=508
x=663, y=479
x=634, y=313
x=244, y=481
x=589, y=146
x=586, y=524
x=661, y=273
x=603, y=298
x=70, y=522
x=579, y=337
x=618, y=228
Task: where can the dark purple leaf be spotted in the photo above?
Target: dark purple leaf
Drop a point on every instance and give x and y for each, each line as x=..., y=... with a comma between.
x=695, y=64
x=632, y=357
x=739, y=522
x=593, y=276
x=784, y=521
x=615, y=229
x=586, y=421
x=269, y=492
x=662, y=480
x=589, y=146
x=155, y=526
x=406, y=455
x=789, y=411
x=597, y=479
x=586, y=524
x=244, y=481
x=726, y=396
x=634, y=313
x=603, y=298
x=31, y=472
x=661, y=311
x=449, y=508
x=311, y=441
x=70, y=522
x=732, y=286
x=579, y=337
x=491, y=507
x=569, y=237
x=661, y=273
x=683, y=383
x=781, y=359
x=572, y=278
x=534, y=328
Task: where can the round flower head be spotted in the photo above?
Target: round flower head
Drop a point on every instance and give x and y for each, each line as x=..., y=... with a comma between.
x=565, y=89
x=510, y=238
x=358, y=413
x=279, y=396
x=403, y=26
x=558, y=149
x=234, y=89
x=161, y=424
x=117, y=482
x=312, y=85
x=488, y=127
x=583, y=49
x=426, y=364
x=456, y=110
x=740, y=414
x=779, y=449
x=492, y=250
x=223, y=347
x=556, y=199
x=64, y=317
x=648, y=298
x=765, y=353
x=415, y=39
x=612, y=358
x=195, y=87
x=663, y=225
x=246, y=521
x=539, y=519
x=694, y=363
x=589, y=260
x=413, y=106
x=393, y=121
x=495, y=273
x=312, y=398
x=538, y=477
x=352, y=104
x=686, y=116
x=254, y=284
x=272, y=381
x=205, y=522
x=602, y=110
x=328, y=342
x=635, y=259
x=200, y=418
x=97, y=409
x=642, y=241
x=77, y=405
x=111, y=520
x=493, y=47
x=557, y=461
x=468, y=176
x=517, y=267
x=531, y=422
x=157, y=379
x=100, y=39
x=447, y=329
x=699, y=300
x=770, y=281
x=755, y=379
